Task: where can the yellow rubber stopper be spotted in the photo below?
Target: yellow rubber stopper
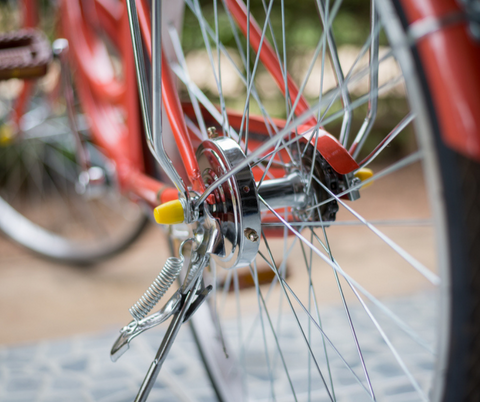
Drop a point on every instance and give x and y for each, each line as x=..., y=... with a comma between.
x=169, y=213
x=364, y=174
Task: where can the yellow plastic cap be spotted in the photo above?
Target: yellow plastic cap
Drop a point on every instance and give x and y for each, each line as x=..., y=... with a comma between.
x=169, y=213
x=364, y=174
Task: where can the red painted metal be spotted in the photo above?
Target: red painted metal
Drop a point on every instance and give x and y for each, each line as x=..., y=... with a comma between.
x=130, y=101
x=29, y=12
x=91, y=55
x=451, y=59
x=109, y=13
x=118, y=137
x=150, y=190
x=115, y=123
x=105, y=99
x=334, y=153
x=21, y=103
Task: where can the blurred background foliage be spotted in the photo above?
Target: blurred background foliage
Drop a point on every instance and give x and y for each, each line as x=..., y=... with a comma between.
x=302, y=23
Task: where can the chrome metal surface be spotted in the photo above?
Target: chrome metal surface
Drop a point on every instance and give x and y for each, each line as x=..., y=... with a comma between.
x=351, y=182
x=135, y=328
x=373, y=93
x=149, y=106
x=182, y=304
x=92, y=183
x=157, y=289
x=192, y=295
x=165, y=346
x=236, y=204
x=348, y=114
x=285, y=192
x=251, y=234
x=321, y=247
x=212, y=132
x=197, y=303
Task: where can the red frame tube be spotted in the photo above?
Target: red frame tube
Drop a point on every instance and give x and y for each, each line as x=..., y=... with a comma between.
x=451, y=59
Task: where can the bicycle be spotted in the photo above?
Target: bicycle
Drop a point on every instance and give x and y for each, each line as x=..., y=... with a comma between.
x=242, y=179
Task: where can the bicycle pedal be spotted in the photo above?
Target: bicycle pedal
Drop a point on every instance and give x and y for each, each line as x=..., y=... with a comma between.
x=24, y=54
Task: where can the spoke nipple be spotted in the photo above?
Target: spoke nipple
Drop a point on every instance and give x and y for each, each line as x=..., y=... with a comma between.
x=212, y=132
x=251, y=234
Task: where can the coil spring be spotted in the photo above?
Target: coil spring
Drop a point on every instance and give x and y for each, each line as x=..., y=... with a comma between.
x=157, y=289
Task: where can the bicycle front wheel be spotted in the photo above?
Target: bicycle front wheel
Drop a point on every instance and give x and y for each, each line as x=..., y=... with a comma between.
x=348, y=298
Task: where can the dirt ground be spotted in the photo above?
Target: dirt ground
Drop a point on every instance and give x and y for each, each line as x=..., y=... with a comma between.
x=41, y=299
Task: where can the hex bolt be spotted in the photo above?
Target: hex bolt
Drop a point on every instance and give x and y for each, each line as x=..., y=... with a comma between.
x=212, y=132
x=251, y=234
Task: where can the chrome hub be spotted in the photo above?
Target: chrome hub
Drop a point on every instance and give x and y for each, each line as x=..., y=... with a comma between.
x=236, y=207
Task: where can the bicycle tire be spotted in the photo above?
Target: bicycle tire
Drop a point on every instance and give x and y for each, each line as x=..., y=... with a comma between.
x=458, y=377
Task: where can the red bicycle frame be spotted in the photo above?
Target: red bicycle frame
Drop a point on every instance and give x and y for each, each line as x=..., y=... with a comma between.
x=111, y=103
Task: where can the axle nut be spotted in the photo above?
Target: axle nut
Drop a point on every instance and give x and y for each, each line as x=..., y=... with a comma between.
x=251, y=234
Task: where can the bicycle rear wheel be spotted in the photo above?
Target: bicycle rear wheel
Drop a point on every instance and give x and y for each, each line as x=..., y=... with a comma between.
x=368, y=304
x=48, y=202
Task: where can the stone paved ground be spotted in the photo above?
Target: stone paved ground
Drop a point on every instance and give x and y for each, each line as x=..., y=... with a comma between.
x=79, y=368
x=59, y=321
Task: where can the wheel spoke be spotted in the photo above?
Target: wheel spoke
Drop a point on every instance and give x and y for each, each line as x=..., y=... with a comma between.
x=313, y=298
x=432, y=277
x=408, y=160
x=390, y=222
x=225, y=125
x=307, y=344
x=286, y=131
x=347, y=312
x=286, y=287
x=352, y=282
x=286, y=300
